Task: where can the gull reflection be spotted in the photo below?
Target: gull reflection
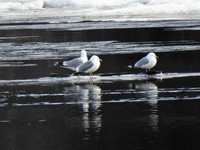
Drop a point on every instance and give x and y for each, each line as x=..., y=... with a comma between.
x=83, y=93
x=146, y=90
x=89, y=96
x=91, y=105
x=153, y=117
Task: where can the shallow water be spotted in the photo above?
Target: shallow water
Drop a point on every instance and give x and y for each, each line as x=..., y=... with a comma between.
x=38, y=111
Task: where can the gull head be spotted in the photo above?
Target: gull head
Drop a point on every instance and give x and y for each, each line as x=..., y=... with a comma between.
x=95, y=58
x=83, y=53
x=152, y=55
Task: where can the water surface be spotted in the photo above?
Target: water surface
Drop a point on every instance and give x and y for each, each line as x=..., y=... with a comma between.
x=38, y=111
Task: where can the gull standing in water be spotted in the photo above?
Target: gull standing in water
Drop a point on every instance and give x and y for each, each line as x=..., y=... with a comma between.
x=74, y=63
x=90, y=66
x=146, y=62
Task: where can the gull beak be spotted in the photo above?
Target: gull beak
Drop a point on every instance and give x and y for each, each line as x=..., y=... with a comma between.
x=100, y=60
x=157, y=57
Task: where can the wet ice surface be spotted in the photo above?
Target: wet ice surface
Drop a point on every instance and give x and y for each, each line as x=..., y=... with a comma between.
x=55, y=41
x=122, y=109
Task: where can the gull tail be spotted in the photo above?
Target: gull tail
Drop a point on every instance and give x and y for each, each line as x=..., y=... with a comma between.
x=58, y=64
x=129, y=66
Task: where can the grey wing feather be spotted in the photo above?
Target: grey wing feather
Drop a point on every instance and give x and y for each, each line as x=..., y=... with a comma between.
x=142, y=62
x=73, y=63
x=84, y=67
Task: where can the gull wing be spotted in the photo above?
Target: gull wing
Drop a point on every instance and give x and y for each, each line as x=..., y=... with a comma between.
x=73, y=63
x=84, y=67
x=142, y=62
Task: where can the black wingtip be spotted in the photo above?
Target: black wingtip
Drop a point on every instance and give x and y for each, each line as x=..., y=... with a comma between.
x=77, y=73
x=58, y=75
x=58, y=64
x=153, y=72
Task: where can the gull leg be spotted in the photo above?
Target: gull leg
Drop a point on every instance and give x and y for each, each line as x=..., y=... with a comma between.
x=91, y=78
x=148, y=70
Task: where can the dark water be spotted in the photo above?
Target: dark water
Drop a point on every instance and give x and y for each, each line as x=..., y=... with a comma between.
x=112, y=115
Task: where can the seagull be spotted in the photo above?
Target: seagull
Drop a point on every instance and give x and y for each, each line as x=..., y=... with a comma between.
x=146, y=62
x=74, y=63
x=90, y=66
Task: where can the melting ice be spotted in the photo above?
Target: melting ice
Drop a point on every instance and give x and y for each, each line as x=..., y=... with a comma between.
x=84, y=10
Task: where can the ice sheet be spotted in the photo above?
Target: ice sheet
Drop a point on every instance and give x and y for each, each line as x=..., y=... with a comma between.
x=94, y=79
